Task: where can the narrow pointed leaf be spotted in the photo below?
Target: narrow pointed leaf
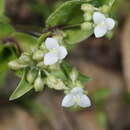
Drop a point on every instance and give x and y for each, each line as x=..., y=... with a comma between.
x=83, y=78
x=67, y=68
x=25, y=41
x=22, y=89
x=69, y=13
x=76, y=35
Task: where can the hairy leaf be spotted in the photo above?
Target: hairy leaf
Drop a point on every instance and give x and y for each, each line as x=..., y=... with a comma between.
x=67, y=68
x=22, y=88
x=25, y=41
x=76, y=35
x=83, y=78
x=59, y=74
x=67, y=14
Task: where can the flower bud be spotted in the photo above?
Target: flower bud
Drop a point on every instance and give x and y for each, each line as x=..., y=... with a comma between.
x=54, y=67
x=41, y=65
x=15, y=65
x=78, y=83
x=88, y=16
x=38, y=84
x=43, y=47
x=38, y=55
x=87, y=7
x=31, y=76
x=73, y=75
x=86, y=26
x=25, y=58
x=105, y=9
x=55, y=83
x=59, y=38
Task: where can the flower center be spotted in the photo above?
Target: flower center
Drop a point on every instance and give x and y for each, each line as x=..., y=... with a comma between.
x=103, y=24
x=54, y=50
x=77, y=99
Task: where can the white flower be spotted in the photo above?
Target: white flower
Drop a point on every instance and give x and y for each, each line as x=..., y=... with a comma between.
x=76, y=97
x=103, y=24
x=56, y=52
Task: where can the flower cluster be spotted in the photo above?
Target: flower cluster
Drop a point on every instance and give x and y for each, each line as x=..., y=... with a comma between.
x=38, y=60
x=44, y=65
x=40, y=63
x=95, y=17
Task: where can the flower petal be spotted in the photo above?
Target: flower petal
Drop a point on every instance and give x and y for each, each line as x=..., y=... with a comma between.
x=77, y=90
x=100, y=31
x=110, y=23
x=98, y=17
x=50, y=58
x=68, y=101
x=62, y=52
x=84, y=101
x=51, y=43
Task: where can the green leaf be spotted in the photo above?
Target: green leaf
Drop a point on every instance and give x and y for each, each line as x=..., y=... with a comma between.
x=70, y=16
x=76, y=35
x=83, y=78
x=22, y=88
x=5, y=30
x=19, y=73
x=25, y=41
x=67, y=68
x=69, y=13
x=59, y=74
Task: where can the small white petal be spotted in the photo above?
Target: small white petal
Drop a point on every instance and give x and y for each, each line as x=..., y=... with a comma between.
x=77, y=90
x=84, y=101
x=68, y=101
x=50, y=58
x=51, y=43
x=98, y=17
x=100, y=31
x=62, y=52
x=110, y=23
